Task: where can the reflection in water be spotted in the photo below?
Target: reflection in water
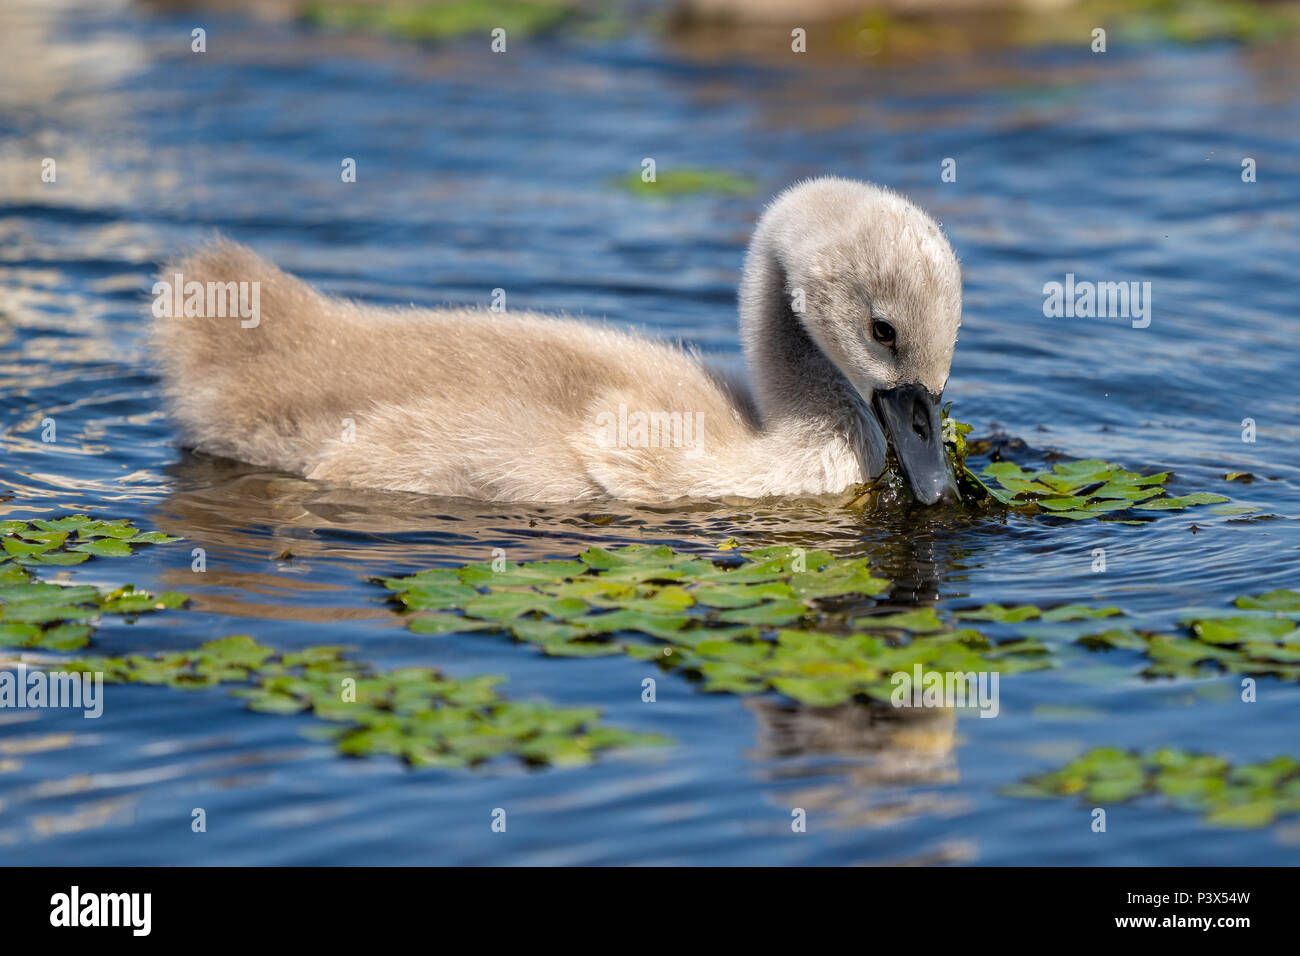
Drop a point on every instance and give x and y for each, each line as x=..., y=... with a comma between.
x=232, y=504
x=283, y=524
x=879, y=754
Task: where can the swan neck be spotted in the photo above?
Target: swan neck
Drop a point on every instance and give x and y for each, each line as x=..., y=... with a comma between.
x=797, y=387
x=792, y=376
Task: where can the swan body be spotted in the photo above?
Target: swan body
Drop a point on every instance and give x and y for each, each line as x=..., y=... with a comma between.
x=524, y=407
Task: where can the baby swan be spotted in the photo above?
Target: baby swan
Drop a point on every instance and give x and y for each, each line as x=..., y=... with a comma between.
x=850, y=303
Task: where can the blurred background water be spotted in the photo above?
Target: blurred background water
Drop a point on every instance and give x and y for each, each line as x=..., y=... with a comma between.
x=478, y=171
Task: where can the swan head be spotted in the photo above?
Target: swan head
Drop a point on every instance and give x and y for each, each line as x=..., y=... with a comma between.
x=873, y=282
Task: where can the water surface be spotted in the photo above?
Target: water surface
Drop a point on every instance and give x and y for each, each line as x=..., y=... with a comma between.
x=478, y=172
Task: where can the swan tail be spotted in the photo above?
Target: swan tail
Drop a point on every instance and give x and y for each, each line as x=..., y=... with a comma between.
x=225, y=326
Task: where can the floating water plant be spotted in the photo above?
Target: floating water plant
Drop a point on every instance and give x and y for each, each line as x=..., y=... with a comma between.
x=58, y=617
x=1090, y=488
x=70, y=540
x=879, y=31
x=824, y=669
x=650, y=590
x=419, y=715
x=1250, y=795
x=777, y=619
x=1028, y=612
x=441, y=19
x=688, y=181
x=1260, y=638
x=784, y=619
x=1074, y=490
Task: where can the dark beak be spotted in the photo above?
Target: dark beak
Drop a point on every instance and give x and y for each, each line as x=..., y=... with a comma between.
x=910, y=417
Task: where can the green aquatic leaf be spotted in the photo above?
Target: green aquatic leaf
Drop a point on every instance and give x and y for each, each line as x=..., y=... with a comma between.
x=1065, y=481
x=1180, y=502
x=839, y=580
x=670, y=599
x=119, y=528
x=67, y=523
x=1258, y=813
x=684, y=181
x=1128, y=492
x=151, y=537
x=11, y=574
x=664, y=626
x=1231, y=510
x=62, y=637
x=1226, y=795
x=47, y=612
x=446, y=623
x=1119, y=637
x=741, y=595
x=793, y=559
x=996, y=612
x=1079, y=612
x=720, y=679
x=54, y=559
x=749, y=573
x=1259, y=651
x=813, y=692
x=1010, y=470
x=1082, y=466
x=516, y=575
x=39, y=592
x=546, y=632
x=919, y=621
x=770, y=614
x=20, y=548
x=1118, y=789
x=581, y=649
x=438, y=597
x=238, y=650
x=440, y=19
x=1006, y=497
x=1069, y=503
x=434, y=577
x=1106, y=504
x=1279, y=600
x=51, y=539
x=1234, y=630
x=104, y=547
x=1120, y=476
x=128, y=600
x=500, y=605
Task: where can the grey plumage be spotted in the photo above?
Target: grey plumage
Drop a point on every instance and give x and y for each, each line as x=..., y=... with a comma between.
x=523, y=407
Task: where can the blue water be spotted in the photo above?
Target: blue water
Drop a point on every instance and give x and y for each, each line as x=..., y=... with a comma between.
x=478, y=172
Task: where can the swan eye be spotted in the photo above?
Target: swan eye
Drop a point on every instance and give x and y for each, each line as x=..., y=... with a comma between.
x=882, y=332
